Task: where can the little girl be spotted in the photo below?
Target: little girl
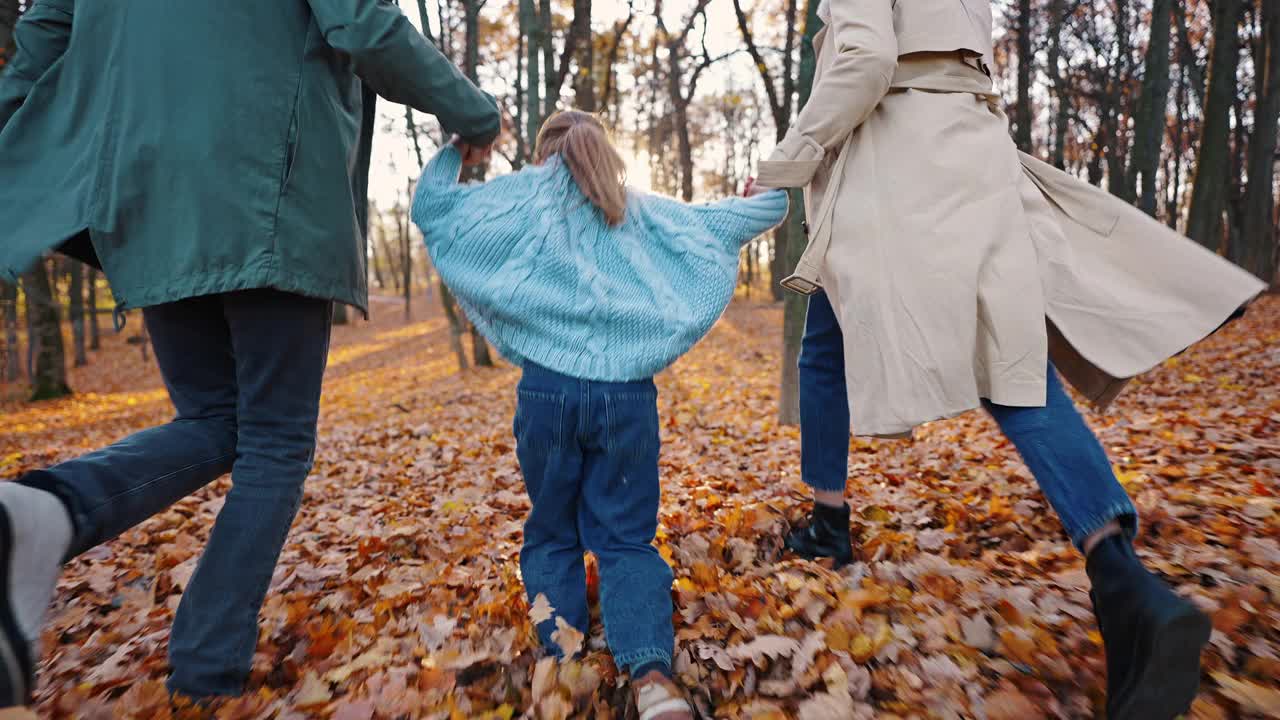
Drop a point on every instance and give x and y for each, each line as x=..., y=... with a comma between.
x=591, y=288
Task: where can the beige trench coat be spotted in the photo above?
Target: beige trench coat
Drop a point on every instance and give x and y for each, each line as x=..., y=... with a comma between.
x=956, y=265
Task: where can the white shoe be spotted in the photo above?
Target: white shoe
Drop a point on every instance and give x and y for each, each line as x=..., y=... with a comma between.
x=659, y=698
x=35, y=533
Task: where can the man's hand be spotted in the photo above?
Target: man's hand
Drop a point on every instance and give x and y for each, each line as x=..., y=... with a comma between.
x=473, y=155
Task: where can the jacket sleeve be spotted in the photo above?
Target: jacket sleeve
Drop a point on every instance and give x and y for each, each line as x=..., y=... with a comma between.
x=39, y=39
x=393, y=58
x=866, y=48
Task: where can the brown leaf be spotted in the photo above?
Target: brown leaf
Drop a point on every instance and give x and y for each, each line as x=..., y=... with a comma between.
x=1250, y=696
x=353, y=710
x=1009, y=704
x=567, y=637
x=311, y=691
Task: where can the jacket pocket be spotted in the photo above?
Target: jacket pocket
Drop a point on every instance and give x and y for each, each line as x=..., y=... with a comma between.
x=290, y=149
x=294, y=137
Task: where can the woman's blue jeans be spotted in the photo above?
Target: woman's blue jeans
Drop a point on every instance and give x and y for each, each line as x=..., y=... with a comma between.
x=1061, y=451
x=589, y=454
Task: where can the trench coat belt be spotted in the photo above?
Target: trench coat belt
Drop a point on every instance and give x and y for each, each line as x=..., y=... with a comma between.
x=950, y=72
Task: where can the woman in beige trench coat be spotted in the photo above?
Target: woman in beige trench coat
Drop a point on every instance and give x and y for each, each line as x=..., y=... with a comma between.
x=946, y=270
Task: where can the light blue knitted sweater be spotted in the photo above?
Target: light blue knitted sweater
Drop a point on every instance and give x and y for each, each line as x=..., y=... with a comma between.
x=545, y=278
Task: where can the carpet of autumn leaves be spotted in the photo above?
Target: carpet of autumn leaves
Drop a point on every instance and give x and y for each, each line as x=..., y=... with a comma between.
x=398, y=594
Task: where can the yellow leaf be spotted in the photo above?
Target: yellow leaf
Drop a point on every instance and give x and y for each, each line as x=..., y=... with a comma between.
x=875, y=513
x=862, y=648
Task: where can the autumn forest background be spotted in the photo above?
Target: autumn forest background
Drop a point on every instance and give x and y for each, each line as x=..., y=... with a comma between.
x=398, y=594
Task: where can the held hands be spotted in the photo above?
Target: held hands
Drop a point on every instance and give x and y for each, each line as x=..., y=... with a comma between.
x=752, y=188
x=473, y=155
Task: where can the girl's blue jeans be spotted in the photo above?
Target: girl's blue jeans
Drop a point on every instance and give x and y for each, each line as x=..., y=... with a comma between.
x=589, y=454
x=1061, y=451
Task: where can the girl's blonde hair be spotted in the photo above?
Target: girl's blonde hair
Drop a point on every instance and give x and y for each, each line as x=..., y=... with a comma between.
x=583, y=142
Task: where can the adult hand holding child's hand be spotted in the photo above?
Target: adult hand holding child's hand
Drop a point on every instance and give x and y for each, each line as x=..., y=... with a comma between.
x=473, y=154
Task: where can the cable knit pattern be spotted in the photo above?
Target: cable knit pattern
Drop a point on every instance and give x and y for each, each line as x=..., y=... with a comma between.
x=544, y=278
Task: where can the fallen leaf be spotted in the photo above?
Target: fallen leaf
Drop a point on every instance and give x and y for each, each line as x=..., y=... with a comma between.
x=1250, y=696
x=765, y=646
x=567, y=637
x=312, y=691
x=1010, y=704
x=541, y=610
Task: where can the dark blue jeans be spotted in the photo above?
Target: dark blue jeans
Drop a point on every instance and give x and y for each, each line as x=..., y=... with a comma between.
x=243, y=371
x=1061, y=451
x=589, y=454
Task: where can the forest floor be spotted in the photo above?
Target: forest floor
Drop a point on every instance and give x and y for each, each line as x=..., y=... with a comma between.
x=398, y=594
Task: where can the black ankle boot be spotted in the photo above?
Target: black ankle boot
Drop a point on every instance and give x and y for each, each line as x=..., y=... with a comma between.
x=1152, y=636
x=827, y=535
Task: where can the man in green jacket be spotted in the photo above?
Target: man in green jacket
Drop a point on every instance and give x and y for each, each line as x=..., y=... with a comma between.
x=209, y=156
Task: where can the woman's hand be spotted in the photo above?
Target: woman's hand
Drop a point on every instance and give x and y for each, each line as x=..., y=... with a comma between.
x=752, y=189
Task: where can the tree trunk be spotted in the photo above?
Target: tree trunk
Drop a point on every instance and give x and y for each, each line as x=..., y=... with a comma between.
x=533, y=83
x=523, y=145
x=480, y=348
x=1257, y=243
x=551, y=92
x=406, y=262
x=1118, y=147
x=424, y=18
x=1235, y=174
x=680, y=119
x=1057, y=18
x=611, y=60
x=1186, y=54
x=584, y=81
x=374, y=247
x=1209, y=188
x=1022, y=109
x=390, y=254
x=49, y=365
x=75, y=293
x=1173, y=196
x=778, y=262
x=795, y=306
x=12, y=359
x=794, y=310
x=455, y=323
x=1150, y=123
x=95, y=332
x=471, y=18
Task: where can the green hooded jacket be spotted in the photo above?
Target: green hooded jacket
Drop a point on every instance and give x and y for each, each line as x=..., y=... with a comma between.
x=195, y=147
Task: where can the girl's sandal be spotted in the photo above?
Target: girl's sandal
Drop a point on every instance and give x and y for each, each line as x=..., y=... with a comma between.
x=658, y=698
